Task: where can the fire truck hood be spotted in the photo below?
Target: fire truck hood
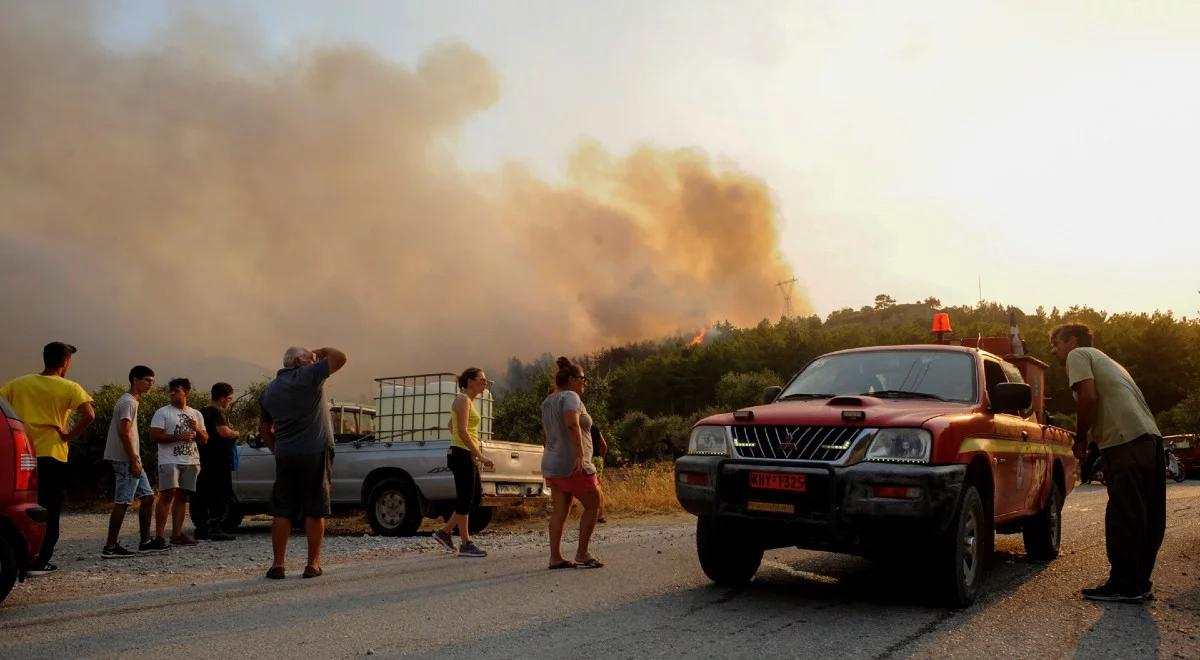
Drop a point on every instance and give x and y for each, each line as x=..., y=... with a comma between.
x=828, y=412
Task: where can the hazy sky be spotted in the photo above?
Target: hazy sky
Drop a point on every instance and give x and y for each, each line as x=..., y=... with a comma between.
x=912, y=148
x=466, y=182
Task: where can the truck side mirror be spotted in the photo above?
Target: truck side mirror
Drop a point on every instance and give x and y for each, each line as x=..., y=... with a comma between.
x=771, y=393
x=1011, y=397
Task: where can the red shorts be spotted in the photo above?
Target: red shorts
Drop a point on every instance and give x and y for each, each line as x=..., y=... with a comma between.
x=574, y=484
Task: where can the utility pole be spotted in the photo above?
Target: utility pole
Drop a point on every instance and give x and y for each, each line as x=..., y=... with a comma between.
x=786, y=288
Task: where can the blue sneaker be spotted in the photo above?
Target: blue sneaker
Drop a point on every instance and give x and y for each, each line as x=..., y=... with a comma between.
x=471, y=550
x=444, y=540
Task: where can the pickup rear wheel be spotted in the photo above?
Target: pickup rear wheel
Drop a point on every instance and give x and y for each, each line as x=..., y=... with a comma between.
x=8, y=568
x=728, y=552
x=393, y=508
x=962, y=551
x=479, y=518
x=233, y=517
x=1043, y=532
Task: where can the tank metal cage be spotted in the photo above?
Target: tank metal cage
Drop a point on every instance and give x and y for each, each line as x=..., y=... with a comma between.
x=418, y=408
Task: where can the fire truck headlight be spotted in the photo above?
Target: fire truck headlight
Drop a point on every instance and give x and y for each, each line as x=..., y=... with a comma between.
x=901, y=445
x=708, y=441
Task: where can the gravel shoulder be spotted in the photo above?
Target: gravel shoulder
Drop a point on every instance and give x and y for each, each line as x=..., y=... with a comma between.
x=82, y=573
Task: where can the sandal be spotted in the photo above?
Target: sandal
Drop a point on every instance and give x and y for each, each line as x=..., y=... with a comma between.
x=310, y=572
x=591, y=562
x=275, y=573
x=566, y=563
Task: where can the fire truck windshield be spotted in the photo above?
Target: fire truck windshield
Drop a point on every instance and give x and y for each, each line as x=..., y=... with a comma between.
x=949, y=376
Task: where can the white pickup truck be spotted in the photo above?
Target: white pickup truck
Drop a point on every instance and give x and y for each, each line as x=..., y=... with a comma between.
x=391, y=460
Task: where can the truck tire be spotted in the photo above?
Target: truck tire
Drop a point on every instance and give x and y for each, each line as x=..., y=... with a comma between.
x=233, y=517
x=479, y=518
x=1043, y=532
x=393, y=508
x=728, y=553
x=8, y=568
x=961, y=551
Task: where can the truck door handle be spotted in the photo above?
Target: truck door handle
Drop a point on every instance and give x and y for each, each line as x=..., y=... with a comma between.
x=514, y=455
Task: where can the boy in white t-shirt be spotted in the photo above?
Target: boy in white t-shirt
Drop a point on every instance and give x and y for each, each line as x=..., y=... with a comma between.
x=177, y=429
x=122, y=448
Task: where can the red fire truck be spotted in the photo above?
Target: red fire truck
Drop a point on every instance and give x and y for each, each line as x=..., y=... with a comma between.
x=922, y=449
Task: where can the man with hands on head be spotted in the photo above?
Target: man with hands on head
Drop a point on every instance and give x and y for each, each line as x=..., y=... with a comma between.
x=296, y=427
x=176, y=428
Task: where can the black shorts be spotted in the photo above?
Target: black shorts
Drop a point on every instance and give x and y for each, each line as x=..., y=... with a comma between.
x=467, y=489
x=302, y=485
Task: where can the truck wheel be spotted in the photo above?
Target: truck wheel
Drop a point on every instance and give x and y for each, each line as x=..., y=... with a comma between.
x=479, y=518
x=962, y=551
x=1043, y=532
x=393, y=509
x=8, y=569
x=233, y=517
x=727, y=551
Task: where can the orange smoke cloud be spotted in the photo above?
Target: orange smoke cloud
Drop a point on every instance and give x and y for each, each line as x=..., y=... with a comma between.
x=174, y=206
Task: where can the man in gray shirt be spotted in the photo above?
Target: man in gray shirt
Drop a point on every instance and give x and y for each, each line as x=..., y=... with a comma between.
x=295, y=426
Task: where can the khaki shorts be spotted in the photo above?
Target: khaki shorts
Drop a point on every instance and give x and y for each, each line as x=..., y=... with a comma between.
x=178, y=476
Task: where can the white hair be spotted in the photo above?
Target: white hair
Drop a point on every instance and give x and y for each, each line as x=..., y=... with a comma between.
x=293, y=355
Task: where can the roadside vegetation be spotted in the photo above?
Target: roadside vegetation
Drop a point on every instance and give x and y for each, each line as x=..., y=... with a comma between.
x=645, y=396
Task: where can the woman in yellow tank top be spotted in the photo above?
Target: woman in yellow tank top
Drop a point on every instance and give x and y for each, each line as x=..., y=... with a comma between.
x=465, y=452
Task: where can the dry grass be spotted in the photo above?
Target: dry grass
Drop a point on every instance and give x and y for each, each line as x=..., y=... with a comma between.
x=628, y=491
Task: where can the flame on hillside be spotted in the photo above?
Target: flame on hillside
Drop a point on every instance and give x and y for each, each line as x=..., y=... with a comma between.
x=262, y=202
x=699, y=338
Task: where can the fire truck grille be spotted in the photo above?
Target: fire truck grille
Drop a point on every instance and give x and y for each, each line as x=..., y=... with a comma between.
x=794, y=443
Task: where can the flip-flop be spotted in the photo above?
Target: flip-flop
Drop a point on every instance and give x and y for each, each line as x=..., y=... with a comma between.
x=590, y=563
x=276, y=573
x=562, y=564
x=311, y=572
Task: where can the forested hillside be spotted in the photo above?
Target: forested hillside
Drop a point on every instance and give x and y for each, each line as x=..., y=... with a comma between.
x=647, y=395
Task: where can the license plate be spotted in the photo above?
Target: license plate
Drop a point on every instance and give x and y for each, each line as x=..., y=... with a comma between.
x=796, y=483
x=1183, y=445
x=508, y=489
x=770, y=507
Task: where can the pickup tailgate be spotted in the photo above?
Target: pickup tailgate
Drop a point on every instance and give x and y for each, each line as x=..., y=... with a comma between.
x=516, y=475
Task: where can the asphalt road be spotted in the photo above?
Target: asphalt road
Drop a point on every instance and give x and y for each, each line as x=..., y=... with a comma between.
x=651, y=600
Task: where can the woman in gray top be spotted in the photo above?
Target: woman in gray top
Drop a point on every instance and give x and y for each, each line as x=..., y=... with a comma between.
x=567, y=463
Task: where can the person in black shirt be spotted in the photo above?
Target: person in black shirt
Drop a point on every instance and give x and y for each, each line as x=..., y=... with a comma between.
x=214, y=488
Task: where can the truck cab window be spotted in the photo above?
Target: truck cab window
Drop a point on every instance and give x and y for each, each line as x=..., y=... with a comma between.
x=993, y=375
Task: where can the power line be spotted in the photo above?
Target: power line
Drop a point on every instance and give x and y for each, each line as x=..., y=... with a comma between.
x=786, y=287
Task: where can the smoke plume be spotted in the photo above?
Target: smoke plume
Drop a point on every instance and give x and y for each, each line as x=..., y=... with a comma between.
x=202, y=200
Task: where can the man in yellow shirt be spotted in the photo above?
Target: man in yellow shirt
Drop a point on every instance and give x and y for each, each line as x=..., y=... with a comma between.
x=1112, y=411
x=45, y=402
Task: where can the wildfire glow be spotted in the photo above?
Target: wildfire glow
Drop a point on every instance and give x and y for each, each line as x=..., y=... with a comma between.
x=699, y=338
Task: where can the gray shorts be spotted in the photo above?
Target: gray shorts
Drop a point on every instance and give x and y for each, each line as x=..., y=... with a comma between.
x=178, y=476
x=302, y=485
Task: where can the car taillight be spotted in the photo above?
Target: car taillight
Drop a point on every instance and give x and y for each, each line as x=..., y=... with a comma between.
x=26, y=478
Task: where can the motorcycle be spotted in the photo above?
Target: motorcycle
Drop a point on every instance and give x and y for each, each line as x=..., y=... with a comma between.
x=1174, y=467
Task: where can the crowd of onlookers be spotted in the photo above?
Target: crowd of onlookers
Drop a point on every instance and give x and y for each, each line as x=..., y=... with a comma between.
x=197, y=453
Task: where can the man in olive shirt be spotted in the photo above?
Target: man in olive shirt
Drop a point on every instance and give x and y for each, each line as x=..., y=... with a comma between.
x=1112, y=411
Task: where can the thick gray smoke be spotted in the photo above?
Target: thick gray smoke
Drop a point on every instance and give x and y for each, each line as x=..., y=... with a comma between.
x=202, y=208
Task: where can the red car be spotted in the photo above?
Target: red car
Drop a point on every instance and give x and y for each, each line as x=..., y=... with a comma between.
x=22, y=521
x=883, y=451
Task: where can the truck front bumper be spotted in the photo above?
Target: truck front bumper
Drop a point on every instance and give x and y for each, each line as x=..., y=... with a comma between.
x=842, y=507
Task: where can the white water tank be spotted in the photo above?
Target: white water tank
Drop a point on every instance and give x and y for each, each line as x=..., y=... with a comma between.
x=422, y=411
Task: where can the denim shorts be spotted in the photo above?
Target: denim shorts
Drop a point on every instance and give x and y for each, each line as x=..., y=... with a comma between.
x=127, y=487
